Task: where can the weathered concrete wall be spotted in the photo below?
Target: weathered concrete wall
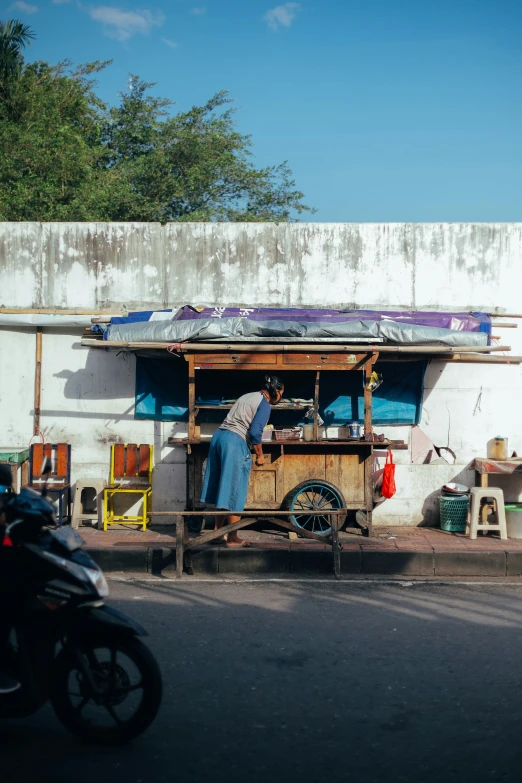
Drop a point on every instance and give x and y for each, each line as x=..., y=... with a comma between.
x=88, y=395
x=105, y=265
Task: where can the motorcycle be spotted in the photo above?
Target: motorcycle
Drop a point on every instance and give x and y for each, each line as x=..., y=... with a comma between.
x=64, y=644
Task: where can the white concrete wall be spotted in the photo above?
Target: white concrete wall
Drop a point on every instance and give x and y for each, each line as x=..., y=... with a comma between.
x=88, y=395
x=106, y=265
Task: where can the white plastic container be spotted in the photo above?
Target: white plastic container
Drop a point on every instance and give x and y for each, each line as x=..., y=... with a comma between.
x=267, y=436
x=308, y=432
x=514, y=520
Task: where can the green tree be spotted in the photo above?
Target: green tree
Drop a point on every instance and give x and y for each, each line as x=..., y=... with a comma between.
x=51, y=154
x=14, y=36
x=64, y=155
x=193, y=165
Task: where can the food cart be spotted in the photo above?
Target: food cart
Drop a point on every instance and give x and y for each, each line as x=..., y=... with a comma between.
x=306, y=486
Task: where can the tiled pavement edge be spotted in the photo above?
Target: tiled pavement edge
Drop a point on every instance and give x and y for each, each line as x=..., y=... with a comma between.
x=406, y=552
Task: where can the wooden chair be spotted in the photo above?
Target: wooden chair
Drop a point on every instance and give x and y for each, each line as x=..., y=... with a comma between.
x=131, y=473
x=59, y=480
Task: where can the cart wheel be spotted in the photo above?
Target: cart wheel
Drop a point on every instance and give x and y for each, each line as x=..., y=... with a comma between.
x=314, y=495
x=195, y=524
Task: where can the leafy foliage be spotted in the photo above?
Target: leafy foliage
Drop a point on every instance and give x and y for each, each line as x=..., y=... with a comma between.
x=64, y=155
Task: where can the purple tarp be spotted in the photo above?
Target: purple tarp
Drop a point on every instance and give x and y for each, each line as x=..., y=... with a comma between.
x=465, y=322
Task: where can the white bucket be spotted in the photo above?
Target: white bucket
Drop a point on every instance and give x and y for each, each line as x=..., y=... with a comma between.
x=514, y=520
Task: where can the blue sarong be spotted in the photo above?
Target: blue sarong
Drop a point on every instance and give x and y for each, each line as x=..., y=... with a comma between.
x=228, y=470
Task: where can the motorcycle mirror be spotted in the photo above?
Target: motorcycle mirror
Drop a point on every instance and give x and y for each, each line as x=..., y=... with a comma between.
x=46, y=466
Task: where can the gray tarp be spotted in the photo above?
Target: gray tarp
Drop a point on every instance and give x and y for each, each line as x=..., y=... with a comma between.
x=240, y=329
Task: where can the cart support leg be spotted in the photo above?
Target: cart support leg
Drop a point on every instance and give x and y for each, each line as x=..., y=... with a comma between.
x=335, y=546
x=180, y=530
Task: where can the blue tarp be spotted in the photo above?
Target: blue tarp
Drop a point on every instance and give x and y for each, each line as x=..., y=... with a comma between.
x=161, y=392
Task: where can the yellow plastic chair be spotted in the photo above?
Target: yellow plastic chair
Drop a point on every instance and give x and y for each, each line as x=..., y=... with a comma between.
x=131, y=473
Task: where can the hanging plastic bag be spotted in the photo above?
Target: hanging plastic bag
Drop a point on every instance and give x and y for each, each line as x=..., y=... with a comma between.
x=388, y=477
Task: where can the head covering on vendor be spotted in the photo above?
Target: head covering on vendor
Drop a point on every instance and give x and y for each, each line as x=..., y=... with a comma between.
x=229, y=459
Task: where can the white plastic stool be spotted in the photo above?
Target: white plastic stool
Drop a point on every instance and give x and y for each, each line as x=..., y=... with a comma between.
x=478, y=494
x=79, y=513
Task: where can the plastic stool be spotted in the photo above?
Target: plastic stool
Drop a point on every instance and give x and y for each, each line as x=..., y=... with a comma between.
x=478, y=494
x=79, y=513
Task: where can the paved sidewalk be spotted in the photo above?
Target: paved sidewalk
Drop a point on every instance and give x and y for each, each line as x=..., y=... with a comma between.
x=392, y=551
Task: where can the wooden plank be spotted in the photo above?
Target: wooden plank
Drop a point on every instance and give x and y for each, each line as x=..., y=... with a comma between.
x=119, y=460
x=351, y=477
x=62, y=460
x=204, y=538
x=48, y=452
x=131, y=468
x=345, y=360
x=36, y=460
x=367, y=399
x=316, y=405
x=334, y=521
x=191, y=399
x=54, y=311
x=324, y=442
x=269, y=368
x=180, y=530
x=302, y=467
x=298, y=530
x=212, y=535
x=237, y=358
x=263, y=483
x=37, y=381
x=246, y=513
x=144, y=460
x=333, y=469
x=280, y=347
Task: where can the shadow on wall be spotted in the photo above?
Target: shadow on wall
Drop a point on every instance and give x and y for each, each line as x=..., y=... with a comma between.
x=107, y=375
x=430, y=507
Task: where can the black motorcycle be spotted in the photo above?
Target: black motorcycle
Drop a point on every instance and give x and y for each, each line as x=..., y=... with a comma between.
x=60, y=640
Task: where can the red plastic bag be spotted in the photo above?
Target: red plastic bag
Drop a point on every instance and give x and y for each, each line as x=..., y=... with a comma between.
x=388, y=477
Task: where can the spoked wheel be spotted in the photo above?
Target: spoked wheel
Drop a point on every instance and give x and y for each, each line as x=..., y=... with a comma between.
x=106, y=690
x=314, y=495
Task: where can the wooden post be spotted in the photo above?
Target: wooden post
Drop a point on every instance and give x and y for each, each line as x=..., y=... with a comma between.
x=180, y=530
x=334, y=521
x=37, y=381
x=368, y=429
x=316, y=405
x=368, y=463
x=192, y=399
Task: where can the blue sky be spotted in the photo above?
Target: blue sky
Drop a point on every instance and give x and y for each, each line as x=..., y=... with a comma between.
x=385, y=110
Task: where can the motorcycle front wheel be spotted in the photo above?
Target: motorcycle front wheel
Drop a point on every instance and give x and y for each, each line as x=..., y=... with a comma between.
x=106, y=691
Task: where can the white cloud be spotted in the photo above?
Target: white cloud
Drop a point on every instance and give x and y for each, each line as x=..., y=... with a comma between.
x=282, y=15
x=170, y=43
x=199, y=11
x=60, y=2
x=25, y=7
x=122, y=25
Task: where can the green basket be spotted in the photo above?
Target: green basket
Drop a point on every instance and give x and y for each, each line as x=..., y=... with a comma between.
x=454, y=513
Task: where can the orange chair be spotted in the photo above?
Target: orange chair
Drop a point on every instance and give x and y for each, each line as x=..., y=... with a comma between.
x=131, y=473
x=59, y=480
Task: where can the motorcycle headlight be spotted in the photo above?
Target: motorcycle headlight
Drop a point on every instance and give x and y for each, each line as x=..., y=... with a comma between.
x=98, y=580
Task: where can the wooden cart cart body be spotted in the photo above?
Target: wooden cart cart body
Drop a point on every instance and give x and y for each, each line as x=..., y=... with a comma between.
x=347, y=464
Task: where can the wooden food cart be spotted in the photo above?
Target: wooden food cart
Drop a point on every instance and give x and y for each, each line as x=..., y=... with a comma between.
x=332, y=476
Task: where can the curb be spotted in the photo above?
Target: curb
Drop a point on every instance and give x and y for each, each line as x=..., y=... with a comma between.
x=161, y=561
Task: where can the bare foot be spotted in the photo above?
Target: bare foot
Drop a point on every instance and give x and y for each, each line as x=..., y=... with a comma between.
x=239, y=542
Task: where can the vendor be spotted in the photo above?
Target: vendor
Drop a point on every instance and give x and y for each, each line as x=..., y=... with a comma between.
x=229, y=459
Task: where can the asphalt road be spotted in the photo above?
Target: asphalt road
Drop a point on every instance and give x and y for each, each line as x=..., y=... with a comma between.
x=306, y=682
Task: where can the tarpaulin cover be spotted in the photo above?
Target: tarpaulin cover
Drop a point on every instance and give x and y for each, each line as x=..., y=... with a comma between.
x=241, y=329
x=467, y=322
x=162, y=392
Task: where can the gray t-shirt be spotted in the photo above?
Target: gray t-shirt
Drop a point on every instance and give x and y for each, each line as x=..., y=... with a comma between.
x=247, y=417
